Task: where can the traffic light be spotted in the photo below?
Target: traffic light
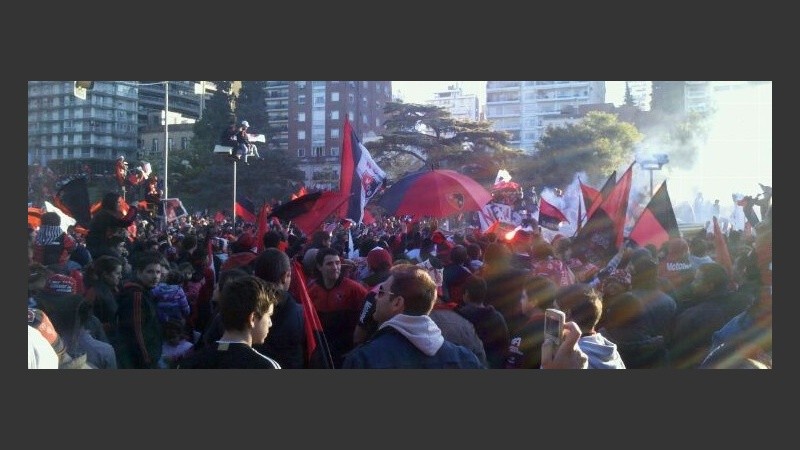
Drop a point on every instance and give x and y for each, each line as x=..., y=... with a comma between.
x=80, y=88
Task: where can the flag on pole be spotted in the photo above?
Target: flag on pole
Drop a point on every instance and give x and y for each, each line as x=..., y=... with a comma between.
x=550, y=217
x=602, y=235
x=318, y=353
x=361, y=178
x=245, y=209
x=310, y=211
x=603, y=194
x=173, y=209
x=657, y=223
x=73, y=199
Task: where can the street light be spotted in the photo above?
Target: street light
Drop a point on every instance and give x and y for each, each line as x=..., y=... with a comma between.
x=654, y=164
x=166, y=128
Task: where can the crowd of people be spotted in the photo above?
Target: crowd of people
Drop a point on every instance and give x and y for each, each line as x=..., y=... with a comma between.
x=201, y=293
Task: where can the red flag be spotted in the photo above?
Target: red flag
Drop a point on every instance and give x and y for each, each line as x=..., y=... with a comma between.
x=723, y=256
x=603, y=194
x=318, y=354
x=589, y=195
x=262, y=226
x=360, y=176
x=550, y=217
x=602, y=235
x=245, y=209
x=657, y=223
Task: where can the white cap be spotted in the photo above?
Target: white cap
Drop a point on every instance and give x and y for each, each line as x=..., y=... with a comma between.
x=245, y=124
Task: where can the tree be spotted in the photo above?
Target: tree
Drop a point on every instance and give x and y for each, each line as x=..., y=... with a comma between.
x=205, y=180
x=597, y=145
x=427, y=135
x=628, y=96
x=250, y=105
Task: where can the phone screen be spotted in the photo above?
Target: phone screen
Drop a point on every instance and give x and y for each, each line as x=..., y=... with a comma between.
x=552, y=327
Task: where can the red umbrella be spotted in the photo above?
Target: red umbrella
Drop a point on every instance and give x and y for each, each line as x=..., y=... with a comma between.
x=435, y=193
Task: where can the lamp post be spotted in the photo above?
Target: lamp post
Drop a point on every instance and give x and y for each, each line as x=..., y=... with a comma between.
x=656, y=163
x=166, y=136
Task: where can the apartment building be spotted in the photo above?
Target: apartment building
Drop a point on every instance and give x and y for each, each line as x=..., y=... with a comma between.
x=461, y=106
x=63, y=128
x=523, y=108
x=306, y=118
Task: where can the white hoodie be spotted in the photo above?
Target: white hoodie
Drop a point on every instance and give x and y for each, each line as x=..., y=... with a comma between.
x=419, y=330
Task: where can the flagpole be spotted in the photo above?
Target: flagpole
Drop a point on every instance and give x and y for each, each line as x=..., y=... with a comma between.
x=235, y=163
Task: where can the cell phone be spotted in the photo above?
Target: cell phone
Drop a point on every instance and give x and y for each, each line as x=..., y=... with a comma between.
x=553, y=324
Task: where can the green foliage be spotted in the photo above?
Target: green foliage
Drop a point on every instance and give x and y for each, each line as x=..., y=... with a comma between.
x=427, y=135
x=596, y=145
x=205, y=180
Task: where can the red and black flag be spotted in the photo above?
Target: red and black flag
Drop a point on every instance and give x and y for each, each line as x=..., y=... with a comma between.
x=657, y=223
x=550, y=217
x=361, y=178
x=318, y=353
x=73, y=200
x=310, y=211
x=602, y=235
x=603, y=194
x=245, y=209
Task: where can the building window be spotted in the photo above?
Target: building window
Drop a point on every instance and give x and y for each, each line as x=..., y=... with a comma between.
x=351, y=98
x=154, y=146
x=334, y=133
x=301, y=117
x=319, y=151
x=334, y=96
x=301, y=84
x=334, y=115
x=301, y=152
x=301, y=135
x=184, y=143
x=171, y=144
x=301, y=99
x=364, y=119
x=334, y=151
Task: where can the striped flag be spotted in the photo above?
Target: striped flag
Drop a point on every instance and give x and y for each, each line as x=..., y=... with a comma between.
x=245, y=209
x=657, y=223
x=361, y=178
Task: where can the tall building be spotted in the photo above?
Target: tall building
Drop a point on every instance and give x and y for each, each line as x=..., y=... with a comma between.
x=186, y=98
x=64, y=129
x=461, y=106
x=306, y=118
x=523, y=108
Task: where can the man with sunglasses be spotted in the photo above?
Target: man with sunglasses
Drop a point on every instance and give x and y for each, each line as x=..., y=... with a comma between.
x=407, y=338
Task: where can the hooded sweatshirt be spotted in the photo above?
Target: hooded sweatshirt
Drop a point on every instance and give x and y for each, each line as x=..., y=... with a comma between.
x=419, y=330
x=602, y=353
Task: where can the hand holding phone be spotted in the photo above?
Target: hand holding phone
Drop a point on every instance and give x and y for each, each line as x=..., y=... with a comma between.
x=553, y=324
